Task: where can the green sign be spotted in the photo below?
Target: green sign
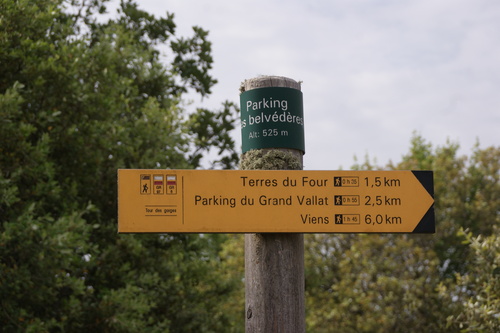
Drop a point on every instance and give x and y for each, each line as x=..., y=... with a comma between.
x=272, y=117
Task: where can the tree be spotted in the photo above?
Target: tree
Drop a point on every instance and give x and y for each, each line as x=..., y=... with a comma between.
x=475, y=293
x=467, y=190
x=445, y=282
x=371, y=283
x=81, y=97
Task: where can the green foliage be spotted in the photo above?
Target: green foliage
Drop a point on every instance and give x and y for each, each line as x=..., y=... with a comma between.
x=477, y=290
x=233, y=268
x=80, y=97
x=371, y=290
x=212, y=130
x=447, y=282
x=466, y=191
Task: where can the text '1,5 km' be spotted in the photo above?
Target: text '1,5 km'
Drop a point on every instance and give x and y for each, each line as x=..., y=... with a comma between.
x=222, y=201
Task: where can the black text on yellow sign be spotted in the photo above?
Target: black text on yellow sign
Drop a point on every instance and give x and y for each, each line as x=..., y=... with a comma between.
x=222, y=201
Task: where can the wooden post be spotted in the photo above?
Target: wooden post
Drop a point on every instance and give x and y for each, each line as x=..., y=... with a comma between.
x=274, y=263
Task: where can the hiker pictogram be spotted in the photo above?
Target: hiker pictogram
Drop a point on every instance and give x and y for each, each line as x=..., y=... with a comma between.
x=145, y=184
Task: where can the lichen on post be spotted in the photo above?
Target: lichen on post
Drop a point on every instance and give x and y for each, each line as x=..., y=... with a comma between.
x=270, y=159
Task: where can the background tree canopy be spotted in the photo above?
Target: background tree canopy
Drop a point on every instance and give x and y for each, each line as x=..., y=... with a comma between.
x=447, y=282
x=82, y=96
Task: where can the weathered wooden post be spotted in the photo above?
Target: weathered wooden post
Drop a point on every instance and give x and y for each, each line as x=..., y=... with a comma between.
x=272, y=122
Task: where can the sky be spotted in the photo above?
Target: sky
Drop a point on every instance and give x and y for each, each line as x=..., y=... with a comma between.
x=373, y=72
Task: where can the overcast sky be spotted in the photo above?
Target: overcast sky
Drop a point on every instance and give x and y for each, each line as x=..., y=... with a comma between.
x=373, y=71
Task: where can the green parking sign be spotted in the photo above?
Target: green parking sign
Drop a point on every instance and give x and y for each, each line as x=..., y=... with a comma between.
x=272, y=117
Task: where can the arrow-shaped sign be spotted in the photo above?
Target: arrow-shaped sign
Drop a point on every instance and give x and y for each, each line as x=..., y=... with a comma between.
x=222, y=201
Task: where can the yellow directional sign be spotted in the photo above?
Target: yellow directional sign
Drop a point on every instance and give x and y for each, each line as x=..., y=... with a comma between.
x=223, y=201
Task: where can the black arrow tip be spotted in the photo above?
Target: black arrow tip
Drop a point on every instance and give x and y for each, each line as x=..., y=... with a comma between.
x=426, y=178
x=427, y=224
